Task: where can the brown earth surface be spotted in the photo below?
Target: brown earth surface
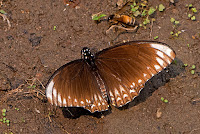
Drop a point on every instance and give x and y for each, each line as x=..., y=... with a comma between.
x=32, y=50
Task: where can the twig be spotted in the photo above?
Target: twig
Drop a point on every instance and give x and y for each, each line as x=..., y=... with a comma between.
x=6, y=18
x=120, y=27
x=150, y=35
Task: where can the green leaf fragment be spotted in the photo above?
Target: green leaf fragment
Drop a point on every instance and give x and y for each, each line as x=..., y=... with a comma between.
x=2, y=12
x=4, y=110
x=179, y=32
x=189, y=15
x=194, y=10
x=146, y=21
x=171, y=33
x=165, y=101
x=97, y=17
x=4, y=114
x=190, y=5
x=54, y=28
x=188, y=45
x=137, y=13
x=172, y=19
x=185, y=65
x=7, y=121
x=193, y=18
x=142, y=4
x=193, y=67
x=161, y=8
x=133, y=9
x=162, y=99
x=153, y=19
x=17, y=109
x=144, y=13
x=156, y=37
x=102, y=15
x=176, y=22
x=175, y=62
x=151, y=10
x=33, y=86
x=192, y=71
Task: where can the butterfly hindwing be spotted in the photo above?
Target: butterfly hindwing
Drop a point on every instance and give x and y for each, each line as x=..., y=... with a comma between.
x=74, y=85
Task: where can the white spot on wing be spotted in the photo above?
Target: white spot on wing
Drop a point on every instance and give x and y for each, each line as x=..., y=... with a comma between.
x=49, y=90
x=160, y=54
x=157, y=67
x=121, y=89
x=82, y=102
x=139, y=81
x=75, y=100
x=55, y=96
x=162, y=48
x=92, y=106
x=111, y=94
x=95, y=97
x=160, y=61
x=54, y=93
x=87, y=100
x=64, y=101
x=144, y=74
x=168, y=61
x=133, y=84
x=118, y=98
x=59, y=98
x=99, y=104
x=125, y=95
x=100, y=98
x=116, y=92
x=69, y=97
x=132, y=91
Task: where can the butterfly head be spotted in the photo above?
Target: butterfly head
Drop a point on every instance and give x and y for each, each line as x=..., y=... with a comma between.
x=86, y=54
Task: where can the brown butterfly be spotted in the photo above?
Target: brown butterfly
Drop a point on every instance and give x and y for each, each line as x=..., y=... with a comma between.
x=114, y=75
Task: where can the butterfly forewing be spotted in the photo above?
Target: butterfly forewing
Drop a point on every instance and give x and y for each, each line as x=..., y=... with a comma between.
x=74, y=85
x=127, y=67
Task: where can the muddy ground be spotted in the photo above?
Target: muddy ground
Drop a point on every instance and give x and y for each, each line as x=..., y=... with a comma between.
x=32, y=50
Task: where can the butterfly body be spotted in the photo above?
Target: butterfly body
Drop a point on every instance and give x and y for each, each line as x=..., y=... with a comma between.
x=114, y=75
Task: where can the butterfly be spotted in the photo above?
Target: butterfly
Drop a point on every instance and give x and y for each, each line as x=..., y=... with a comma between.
x=115, y=75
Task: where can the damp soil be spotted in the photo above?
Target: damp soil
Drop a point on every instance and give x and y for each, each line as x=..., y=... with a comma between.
x=45, y=35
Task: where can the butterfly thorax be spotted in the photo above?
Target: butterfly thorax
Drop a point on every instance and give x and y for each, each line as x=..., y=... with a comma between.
x=88, y=57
